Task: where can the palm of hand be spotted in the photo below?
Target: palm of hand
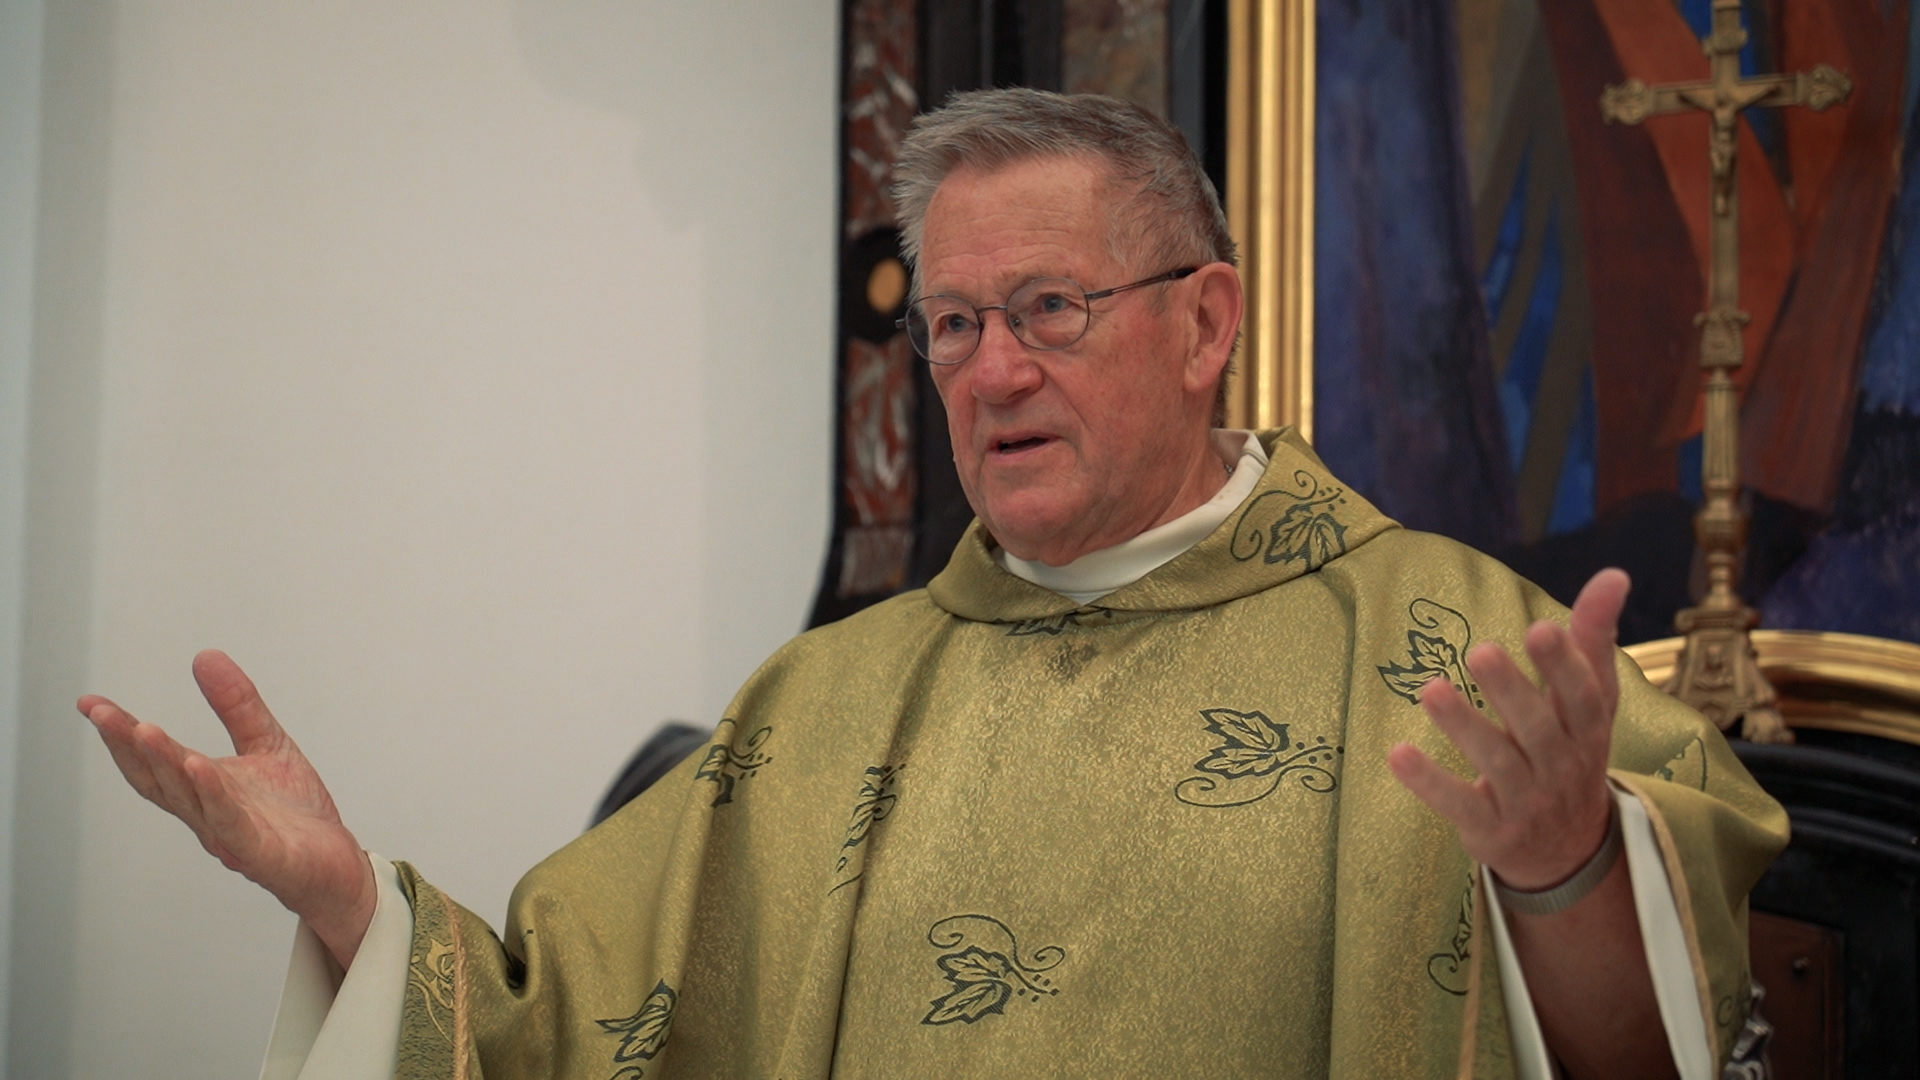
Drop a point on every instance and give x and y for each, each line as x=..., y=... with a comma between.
x=263, y=812
x=284, y=831
x=1539, y=808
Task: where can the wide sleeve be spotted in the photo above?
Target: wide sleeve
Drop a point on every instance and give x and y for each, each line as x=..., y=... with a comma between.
x=1420, y=603
x=344, y=1025
x=1662, y=938
x=582, y=979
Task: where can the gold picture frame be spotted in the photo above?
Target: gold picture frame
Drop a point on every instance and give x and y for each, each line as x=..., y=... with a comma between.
x=1270, y=177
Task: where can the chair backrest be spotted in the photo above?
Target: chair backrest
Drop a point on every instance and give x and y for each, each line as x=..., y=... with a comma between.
x=1835, y=932
x=664, y=749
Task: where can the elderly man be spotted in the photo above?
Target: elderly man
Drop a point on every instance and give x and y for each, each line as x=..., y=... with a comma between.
x=1143, y=783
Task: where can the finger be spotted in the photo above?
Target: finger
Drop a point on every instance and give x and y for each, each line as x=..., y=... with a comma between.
x=237, y=702
x=1464, y=806
x=1595, y=626
x=1571, y=684
x=115, y=728
x=165, y=758
x=1523, y=707
x=1488, y=749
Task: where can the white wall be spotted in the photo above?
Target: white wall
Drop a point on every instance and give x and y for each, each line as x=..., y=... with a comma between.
x=20, y=36
x=464, y=368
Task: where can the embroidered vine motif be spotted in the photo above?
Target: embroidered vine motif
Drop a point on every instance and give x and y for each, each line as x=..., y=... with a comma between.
x=1253, y=756
x=1307, y=530
x=1435, y=655
x=873, y=804
x=431, y=976
x=644, y=1034
x=1688, y=767
x=983, y=980
x=1448, y=968
x=725, y=764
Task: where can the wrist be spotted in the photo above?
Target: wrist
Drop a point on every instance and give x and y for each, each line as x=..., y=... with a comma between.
x=1573, y=888
x=342, y=924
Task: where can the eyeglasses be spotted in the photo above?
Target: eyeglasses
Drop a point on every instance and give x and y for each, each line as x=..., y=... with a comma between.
x=1046, y=313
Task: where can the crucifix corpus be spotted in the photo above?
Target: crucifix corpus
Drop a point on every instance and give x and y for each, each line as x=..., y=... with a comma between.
x=1718, y=672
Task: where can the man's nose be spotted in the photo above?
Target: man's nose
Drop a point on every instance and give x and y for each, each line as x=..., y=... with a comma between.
x=1003, y=365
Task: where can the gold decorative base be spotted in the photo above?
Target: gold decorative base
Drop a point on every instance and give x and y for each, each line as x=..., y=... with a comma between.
x=1718, y=672
x=1826, y=681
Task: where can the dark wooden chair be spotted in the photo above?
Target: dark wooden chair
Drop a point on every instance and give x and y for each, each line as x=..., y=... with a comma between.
x=665, y=748
x=1835, y=933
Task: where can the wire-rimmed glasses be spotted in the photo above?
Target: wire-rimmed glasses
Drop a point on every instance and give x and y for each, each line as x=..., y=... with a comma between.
x=1046, y=313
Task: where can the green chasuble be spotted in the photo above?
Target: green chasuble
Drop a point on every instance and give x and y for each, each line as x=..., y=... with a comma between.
x=981, y=829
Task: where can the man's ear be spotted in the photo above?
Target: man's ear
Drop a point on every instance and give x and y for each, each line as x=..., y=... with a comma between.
x=1218, y=304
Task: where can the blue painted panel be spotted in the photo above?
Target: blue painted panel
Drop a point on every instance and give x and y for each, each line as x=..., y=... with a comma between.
x=1505, y=258
x=1573, y=499
x=1400, y=323
x=1520, y=386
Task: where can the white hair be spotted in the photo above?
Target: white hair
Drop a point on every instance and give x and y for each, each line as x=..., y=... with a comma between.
x=1166, y=213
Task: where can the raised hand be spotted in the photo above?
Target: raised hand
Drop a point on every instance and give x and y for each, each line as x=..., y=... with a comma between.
x=1540, y=807
x=1537, y=813
x=263, y=812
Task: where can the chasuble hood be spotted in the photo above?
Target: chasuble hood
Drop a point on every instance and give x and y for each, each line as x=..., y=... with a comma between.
x=1297, y=520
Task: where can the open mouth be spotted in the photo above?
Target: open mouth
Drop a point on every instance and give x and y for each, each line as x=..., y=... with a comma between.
x=1014, y=446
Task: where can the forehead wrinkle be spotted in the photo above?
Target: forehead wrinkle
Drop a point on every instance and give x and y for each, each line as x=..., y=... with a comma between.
x=994, y=270
x=1000, y=284
x=1047, y=225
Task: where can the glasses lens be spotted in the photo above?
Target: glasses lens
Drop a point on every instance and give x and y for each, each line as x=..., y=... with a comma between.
x=943, y=329
x=1048, y=313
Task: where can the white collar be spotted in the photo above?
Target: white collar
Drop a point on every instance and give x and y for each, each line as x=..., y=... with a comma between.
x=1097, y=573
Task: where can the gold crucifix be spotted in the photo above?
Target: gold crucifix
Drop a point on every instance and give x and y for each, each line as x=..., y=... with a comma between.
x=1718, y=672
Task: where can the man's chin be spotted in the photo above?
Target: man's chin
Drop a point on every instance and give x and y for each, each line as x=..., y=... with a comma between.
x=1050, y=541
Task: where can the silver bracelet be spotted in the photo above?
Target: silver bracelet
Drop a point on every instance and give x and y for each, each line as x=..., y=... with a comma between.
x=1574, y=889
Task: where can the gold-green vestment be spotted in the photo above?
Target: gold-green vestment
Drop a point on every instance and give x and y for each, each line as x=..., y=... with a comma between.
x=981, y=829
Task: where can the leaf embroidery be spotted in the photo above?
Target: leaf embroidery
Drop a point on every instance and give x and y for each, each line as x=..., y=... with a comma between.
x=969, y=1003
x=983, y=980
x=976, y=965
x=982, y=984
x=1253, y=747
x=1308, y=531
x=726, y=764
x=874, y=802
x=1434, y=655
x=644, y=1034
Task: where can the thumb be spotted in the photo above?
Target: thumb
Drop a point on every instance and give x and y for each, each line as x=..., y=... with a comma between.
x=1595, y=627
x=237, y=703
